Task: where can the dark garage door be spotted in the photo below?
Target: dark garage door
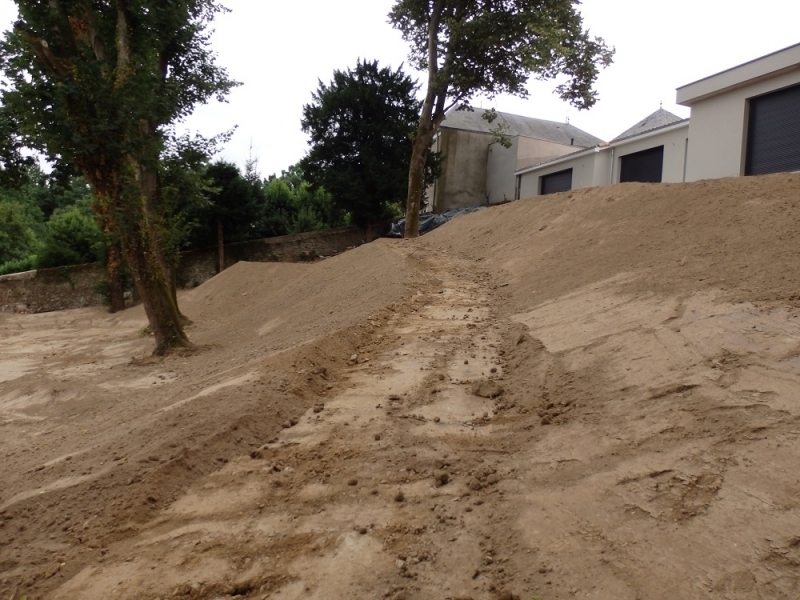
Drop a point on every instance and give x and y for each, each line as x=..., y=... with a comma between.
x=557, y=182
x=773, y=135
x=646, y=166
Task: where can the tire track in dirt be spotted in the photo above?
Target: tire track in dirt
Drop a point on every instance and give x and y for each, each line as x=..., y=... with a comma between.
x=388, y=490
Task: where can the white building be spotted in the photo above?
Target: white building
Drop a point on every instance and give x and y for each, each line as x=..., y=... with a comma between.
x=653, y=151
x=744, y=121
x=477, y=171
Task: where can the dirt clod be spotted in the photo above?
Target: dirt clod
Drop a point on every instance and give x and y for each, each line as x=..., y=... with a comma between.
x=486, y=388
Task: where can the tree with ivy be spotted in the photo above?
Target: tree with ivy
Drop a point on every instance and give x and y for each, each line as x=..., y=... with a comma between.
x=490, y=47
x=95, y=85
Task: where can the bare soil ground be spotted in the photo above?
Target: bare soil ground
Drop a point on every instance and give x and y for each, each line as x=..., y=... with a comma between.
x=593, y=394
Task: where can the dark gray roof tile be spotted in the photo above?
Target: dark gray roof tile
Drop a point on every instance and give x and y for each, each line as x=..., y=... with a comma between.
x=516, y=125
x=660, y=118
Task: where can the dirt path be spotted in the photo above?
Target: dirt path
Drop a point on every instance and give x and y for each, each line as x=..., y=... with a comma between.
x=392, y=487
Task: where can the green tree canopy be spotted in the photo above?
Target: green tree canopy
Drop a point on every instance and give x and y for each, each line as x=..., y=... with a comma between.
x=94, y=85
x=72, y=238
x=18, y=238
x=360, y=127
x=491, y=47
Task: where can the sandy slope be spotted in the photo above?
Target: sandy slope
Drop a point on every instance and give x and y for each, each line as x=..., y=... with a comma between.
x=606, y=381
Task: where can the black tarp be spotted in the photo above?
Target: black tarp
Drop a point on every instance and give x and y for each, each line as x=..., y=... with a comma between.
x=428, y=221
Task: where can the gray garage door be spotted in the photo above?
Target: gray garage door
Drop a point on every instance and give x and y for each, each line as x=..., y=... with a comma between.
x=646, y=166
x=557, y=182
x=773, y=135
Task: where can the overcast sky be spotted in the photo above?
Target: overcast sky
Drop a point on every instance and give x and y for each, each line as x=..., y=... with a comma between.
x=279, y=49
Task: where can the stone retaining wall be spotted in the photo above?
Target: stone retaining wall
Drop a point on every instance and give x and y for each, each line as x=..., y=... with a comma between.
x=51, y=289
x=201, y=265
x=75, y=287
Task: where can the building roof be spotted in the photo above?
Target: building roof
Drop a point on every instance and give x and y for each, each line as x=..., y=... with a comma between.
x=516, y=125
x=660, y=118
x=771, y=65
x=680, y=123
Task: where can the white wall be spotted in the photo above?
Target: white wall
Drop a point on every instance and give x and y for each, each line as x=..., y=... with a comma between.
x=585, y=170
x=674, y=142
x=504, y=162
x=717, y=134
x=591, y=169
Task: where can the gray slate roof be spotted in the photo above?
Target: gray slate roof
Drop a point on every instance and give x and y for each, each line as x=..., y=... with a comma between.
x=560, y=133
x=660, y=118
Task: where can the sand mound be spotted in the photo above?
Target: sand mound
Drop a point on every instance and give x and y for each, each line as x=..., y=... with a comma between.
x=272, y=306
x=592, y=394
x=738, y=235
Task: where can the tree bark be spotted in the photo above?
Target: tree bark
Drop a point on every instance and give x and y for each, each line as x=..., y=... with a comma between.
x=220, y=247
x=162, y=313
x=114, y=277
x=121, y=191
x=426, y=128
x=368, y=232
x=148, y=178
x=416, y=179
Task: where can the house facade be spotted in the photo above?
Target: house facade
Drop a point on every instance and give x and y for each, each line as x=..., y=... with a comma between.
x=478, y=171
x=653, y=151
x=746, y=120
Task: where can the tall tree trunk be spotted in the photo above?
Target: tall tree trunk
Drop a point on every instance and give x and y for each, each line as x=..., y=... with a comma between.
x=162, y=313
x=148, y=178
x=416, y=179
x=220, y=247
x=114, y=277
x=368, y=232
x=127, y=201
x=428, y=123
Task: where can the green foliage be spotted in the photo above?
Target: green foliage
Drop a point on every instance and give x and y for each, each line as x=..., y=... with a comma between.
x=61, y=188
x=491, y=47
x=230, y=200
x=186, y=189
x=316, y=209
x=93, y=83
x=14, y=165
x=360, y=127
x=250, y=208
x=72, y=238
x=96, y=85
x=17, y=232
x=279, y=210
x=494, y=47
x=293, y=205
x=18, y=266
x=47, y=222
x=500, y=131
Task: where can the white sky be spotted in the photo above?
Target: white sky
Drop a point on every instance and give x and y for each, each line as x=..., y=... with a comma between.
x=279, y=49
